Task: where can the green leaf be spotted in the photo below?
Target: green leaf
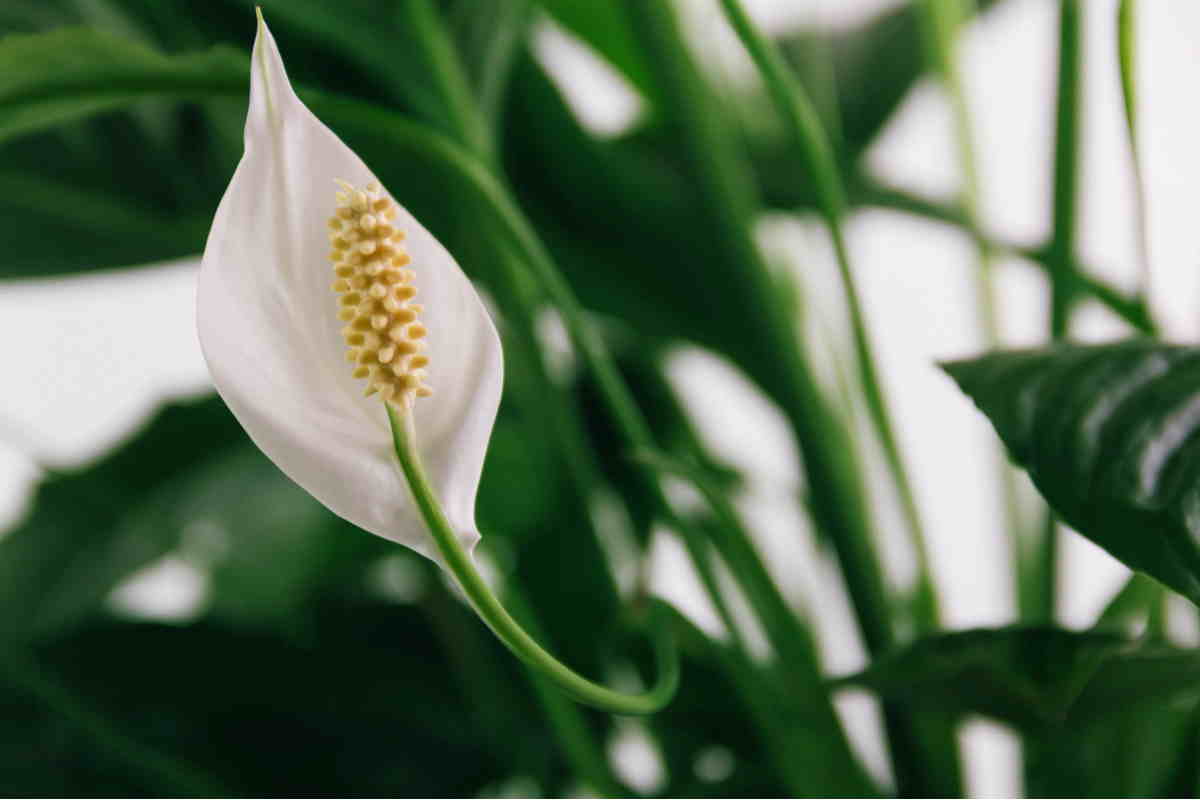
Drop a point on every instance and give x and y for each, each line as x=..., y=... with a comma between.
x=363, y=704
x=1034, y=677
x=1109, y=434
x=53, y=77
x=604, y=26
x=490, y=35
x=91, y=527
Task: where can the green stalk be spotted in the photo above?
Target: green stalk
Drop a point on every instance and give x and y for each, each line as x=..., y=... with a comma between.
x=450, y=81
x=792, y=757
x=1061, y=254
x=1061, y=249
x=838, y=501
x=942, y=22
x=1126, y=41
x=725, y=195
x=459, y=564
x=469, y=125
x=789, y=638
x=1131, y=309
x=813, y=146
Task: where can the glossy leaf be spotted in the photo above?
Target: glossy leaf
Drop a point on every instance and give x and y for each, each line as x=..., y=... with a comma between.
x=1110, y=435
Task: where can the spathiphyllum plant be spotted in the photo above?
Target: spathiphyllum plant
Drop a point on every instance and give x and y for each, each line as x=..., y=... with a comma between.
x=356, y=353
x=276, y=589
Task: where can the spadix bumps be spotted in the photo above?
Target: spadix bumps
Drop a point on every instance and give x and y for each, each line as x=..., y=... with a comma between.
x=375, y=293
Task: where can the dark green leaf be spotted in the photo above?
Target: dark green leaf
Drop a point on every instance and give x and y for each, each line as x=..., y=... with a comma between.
x=1109, y=434
x=363, y=705
x=1035, y=677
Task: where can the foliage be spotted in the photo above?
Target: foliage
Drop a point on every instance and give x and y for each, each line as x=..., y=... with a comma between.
x=322, y=661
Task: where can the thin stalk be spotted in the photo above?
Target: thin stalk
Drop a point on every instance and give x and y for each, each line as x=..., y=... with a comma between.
x=1061, y=250
x=791, y=640
x=941, y=32
x=725, y=193
x=1126, y=62
x=779, y=738
x=460, y=565
x=468, y=123
x=1131, y=309
x=1061, y=253
x=813, y=146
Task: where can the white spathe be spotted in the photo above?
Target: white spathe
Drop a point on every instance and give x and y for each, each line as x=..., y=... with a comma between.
x=268, y=326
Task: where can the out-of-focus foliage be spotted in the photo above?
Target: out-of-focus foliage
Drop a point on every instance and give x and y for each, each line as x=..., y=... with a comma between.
x=1102, y=714
x=323, y=661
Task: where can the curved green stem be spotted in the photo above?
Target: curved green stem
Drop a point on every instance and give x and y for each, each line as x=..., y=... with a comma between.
x=458, y=562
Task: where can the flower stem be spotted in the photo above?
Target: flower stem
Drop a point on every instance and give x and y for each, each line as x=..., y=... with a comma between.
x=459, y=563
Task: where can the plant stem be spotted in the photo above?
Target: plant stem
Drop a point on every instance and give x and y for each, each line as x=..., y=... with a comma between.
x=838, y=500
x=1061, y=255
x=941, y=27
x=1061, y=250
x=1131, y=309
x=458, y=563
x=813, y=146
x=1126, y=61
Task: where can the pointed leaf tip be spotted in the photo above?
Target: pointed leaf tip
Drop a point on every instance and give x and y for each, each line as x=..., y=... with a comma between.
x=1110, y=435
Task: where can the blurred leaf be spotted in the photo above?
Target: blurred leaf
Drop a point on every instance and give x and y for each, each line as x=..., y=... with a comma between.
x=1034, y=677
x=867, y=71
x=363, y=706
x=624, y=226
x=49, y=227
x=272, y=550
x=53, y=77
x=490, y=35
x=602, y=24
x=1131, y=604
x=1109, y=434
x=91, y=527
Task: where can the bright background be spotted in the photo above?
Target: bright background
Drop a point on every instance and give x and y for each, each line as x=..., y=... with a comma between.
x=87, y=359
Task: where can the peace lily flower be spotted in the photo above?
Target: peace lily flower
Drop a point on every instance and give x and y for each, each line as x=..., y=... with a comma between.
x=278, y=320
x=329, y=318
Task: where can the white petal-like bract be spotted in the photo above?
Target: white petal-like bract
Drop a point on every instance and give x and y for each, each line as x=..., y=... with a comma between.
x=269, y=330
